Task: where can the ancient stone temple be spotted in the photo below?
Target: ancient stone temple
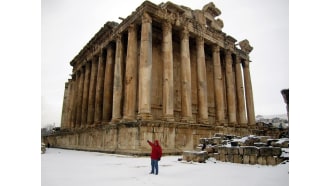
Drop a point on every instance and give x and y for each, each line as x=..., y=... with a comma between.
x=166, y=72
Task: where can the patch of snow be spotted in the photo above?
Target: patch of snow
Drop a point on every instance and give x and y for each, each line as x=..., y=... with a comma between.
x=69, y=167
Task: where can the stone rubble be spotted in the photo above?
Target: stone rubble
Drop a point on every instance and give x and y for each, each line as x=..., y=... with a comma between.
x=262, y=150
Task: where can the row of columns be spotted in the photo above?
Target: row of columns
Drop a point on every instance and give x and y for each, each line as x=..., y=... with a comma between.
x=96, y=96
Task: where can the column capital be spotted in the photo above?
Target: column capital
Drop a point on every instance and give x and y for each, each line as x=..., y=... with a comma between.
x=132, y=27
x=146, y=18
x=215, y=48
x=199, y=40
x=167, y=26
x=184, y=34
x=228, y=51
x=246, y=63
x=238, y=60
x=118, y=37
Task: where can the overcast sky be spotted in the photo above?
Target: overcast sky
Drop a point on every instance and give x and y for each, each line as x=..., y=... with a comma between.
x=67, y=25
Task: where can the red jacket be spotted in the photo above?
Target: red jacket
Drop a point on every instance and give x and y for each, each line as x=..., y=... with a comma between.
x=156, y=151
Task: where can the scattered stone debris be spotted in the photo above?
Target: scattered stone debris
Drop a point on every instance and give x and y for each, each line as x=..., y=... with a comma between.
x=262, y=150
x=43, y=148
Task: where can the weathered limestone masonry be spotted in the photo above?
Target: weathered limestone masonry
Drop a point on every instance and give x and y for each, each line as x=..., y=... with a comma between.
x=166, y=72
x=262, y=150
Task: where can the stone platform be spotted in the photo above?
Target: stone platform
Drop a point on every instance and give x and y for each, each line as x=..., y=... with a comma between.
x=131, y=137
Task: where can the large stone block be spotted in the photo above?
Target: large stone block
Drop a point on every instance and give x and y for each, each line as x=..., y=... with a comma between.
x=277, y=151
x=222, y=157
x=230, y=158
x=222, y=150
x=246, y=159
x=217, y=140
x=271, y=160
x=216, y=156
x=195, y=156
x=253, y=159
x=238, y=159
x=233, y=150
x=266, y=151
x=249, y=151
x=261, y=160
x=264, y=139
x=209, y=149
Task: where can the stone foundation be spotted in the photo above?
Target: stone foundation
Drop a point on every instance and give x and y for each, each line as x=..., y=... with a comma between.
x=131, y=137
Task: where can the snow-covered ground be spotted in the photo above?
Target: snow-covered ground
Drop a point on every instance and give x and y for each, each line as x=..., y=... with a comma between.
x=61, y=167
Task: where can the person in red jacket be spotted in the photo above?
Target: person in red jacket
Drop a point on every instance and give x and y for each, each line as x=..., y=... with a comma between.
x=156, y=154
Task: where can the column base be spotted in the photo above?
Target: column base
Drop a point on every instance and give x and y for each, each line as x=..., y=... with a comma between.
x=203, y=121
x=128, y=119
x=220, y=122
x=144, y=116
x=168, y=118
x=97, y=122
x=243, y=125
x=106, y=123
x=187, y=120
x=115, y=120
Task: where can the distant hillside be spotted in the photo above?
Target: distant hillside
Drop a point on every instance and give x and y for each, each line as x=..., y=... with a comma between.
x=282, y=116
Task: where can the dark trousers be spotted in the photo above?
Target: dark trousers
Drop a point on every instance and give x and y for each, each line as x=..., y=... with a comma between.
x=154, y=166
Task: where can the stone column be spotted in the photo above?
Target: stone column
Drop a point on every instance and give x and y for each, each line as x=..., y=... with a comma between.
x=75, y=100
x=168, y=95
x=72, y=101
x=68, y=108
x=218, y=86
x=145, y=69
x=118, y=82
x=92, y=90
x=108, y=85
x=248, y=93
x=99, y=90
x=65, y=105
x=202, y=82
x=131, y=75
x=240, y=93
x=230, y=89
x=186, y=110
x=85, y=94
x=79, y=98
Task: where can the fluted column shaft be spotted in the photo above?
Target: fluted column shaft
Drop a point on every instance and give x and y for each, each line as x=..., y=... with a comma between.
x=75, y=103
x=68, y=110
x=248, y=93
x=131, y=75
x=79, y=98
x=118, y=81
x=185, y=77
x=202, y=81
x=92, y=90
x=230, y=89
x=218, y=85
x=168, y=110
x=145, y=69
x=240, y=93
x=72, y=101
x=65, y=105
x=85, y=94
x=108, y=85
x=99, y=90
